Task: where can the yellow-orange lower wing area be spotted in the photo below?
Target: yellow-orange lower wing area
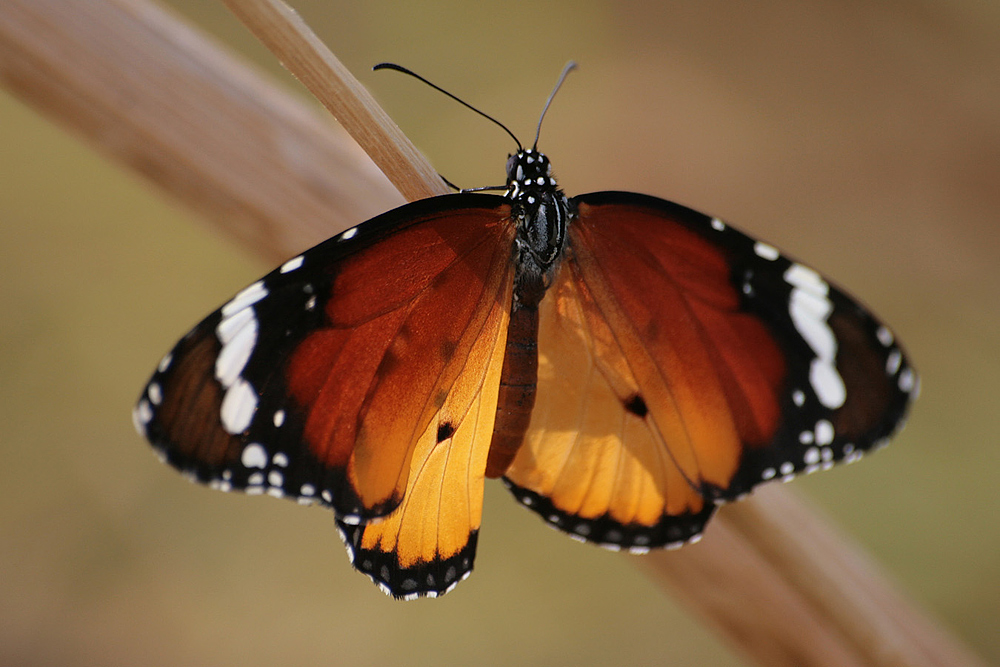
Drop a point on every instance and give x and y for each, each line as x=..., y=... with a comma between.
x=427, y=544
x=594, y=462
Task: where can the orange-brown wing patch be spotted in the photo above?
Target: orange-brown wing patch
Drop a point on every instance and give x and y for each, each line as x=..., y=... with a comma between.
x=403, y=321
x=427, y=544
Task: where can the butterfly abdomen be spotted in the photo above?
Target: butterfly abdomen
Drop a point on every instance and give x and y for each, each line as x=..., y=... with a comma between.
x=518, y=381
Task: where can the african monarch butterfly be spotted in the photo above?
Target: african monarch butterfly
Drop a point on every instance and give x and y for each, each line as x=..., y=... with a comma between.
x=624, y=363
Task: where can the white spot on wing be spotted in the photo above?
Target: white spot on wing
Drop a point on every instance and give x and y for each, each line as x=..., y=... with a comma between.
x=237, y=350
x=827, y=383
x=718, y=225
x=142, y=415
x=349, y=234
x=809, y=307
x=765, y=251
x=824, y=432
x=884, y=336
x=238, y=406
x=229, y=326
x=291, y=264
x=245, y=298
x=165, y=363
x=254, y=456
x=907, y=380
x=893, y=362
x=155, y=393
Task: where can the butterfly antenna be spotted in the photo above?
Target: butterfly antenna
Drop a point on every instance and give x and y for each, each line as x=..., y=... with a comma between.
x=570, y=66
x=402, y=69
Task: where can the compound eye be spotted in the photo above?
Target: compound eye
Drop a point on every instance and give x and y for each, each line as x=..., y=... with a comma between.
x=512, y=161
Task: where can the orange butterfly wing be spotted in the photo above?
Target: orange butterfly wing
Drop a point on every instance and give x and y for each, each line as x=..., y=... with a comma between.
x=668, y=382
x=361, y=375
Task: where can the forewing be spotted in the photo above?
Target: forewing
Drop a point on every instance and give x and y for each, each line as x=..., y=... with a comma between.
x=317, y=381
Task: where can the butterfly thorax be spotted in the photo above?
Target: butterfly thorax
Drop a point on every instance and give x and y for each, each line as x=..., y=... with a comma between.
x=542, y=214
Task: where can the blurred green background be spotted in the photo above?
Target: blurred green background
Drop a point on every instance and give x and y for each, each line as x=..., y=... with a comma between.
x=861, y=137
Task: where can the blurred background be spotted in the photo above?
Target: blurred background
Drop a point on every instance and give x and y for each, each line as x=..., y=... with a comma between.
x=863, y=138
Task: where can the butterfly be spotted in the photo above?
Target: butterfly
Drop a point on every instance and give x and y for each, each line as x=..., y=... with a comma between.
x=623, y=363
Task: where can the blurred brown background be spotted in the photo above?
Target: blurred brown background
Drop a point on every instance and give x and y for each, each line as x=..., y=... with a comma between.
x=861, y=137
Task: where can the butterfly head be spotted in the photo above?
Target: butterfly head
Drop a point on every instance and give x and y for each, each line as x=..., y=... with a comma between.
x=529, y=173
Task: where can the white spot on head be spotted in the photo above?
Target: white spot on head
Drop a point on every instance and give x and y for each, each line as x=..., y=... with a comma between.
x=349, y=519
x=155, y=393
x=349, y=234
x=254, y=456
x=718, y=225
x=238, y=406
x=765, y=251
x=279, y=418
x=291, y=264
x=244, y=299
x=824, y=432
